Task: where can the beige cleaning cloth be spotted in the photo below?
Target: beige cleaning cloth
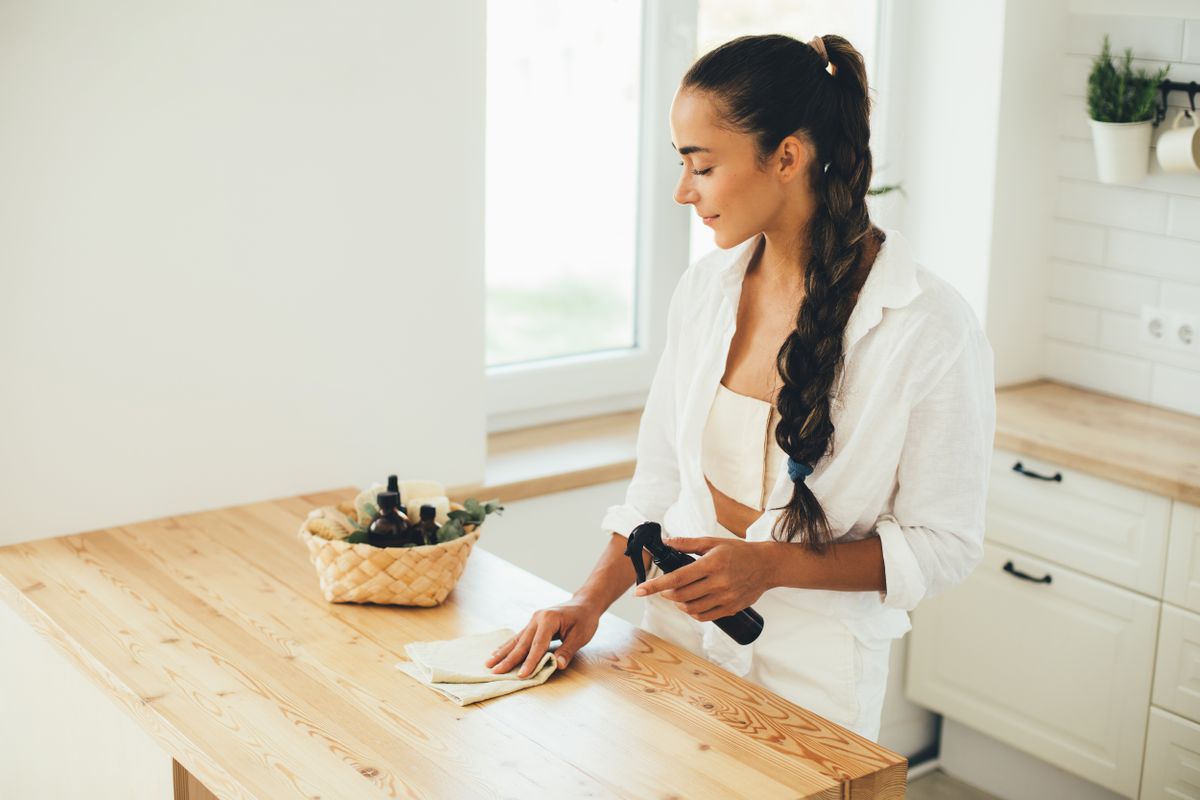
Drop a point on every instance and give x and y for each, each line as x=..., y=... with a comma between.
x=455, y=667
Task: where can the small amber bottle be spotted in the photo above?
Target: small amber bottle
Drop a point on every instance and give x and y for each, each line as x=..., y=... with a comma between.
x=389, y=528
x=427, y=526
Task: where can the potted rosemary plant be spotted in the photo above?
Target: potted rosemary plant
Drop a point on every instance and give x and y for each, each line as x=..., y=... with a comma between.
x=1121, y=110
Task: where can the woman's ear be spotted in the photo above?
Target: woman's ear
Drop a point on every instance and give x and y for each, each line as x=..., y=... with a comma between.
x=793, y=156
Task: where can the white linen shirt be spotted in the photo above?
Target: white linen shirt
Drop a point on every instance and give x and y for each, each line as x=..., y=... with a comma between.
x=914, y=418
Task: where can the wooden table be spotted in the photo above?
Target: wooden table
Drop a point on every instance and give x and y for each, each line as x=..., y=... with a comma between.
x=210, y=631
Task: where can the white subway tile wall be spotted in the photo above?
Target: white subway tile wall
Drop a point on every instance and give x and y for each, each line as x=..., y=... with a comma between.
x=1191, y=41
x=1071, y=323
x=1117, y=248
x=1184, y=218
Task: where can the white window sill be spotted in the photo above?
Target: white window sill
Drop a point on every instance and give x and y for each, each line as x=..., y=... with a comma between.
x=542, y=459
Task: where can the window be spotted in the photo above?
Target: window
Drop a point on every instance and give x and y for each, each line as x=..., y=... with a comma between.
x=584, y=243
x=563, y=83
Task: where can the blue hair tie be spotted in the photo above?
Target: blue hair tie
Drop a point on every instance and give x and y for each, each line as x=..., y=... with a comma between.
x=798, y=471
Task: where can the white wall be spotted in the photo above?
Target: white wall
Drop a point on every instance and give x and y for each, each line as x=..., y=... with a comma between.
x=951, y=112
x=1116, y=248
x=241, y=252
x=1024, y=187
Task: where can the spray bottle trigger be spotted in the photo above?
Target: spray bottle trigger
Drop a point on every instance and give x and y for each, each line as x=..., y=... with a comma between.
x=634, y=550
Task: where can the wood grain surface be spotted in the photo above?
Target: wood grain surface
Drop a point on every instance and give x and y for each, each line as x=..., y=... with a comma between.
x=210, y=631
x=1146, y=447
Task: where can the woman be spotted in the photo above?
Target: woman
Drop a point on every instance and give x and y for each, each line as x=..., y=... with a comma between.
x=819, y=429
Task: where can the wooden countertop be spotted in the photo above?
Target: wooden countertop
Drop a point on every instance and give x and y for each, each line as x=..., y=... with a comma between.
x=1132, y=443
x=210, y=631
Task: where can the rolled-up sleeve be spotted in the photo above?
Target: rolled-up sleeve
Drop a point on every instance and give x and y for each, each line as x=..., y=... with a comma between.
x=655, y=483
x=933, y=538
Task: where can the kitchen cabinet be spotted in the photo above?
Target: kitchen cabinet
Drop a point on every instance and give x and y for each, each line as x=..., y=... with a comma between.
x=1183, y=564
x=1172, y=770
x=1100, y=527
x=1077, y=639
x=1062, y=670
x=1177, y=667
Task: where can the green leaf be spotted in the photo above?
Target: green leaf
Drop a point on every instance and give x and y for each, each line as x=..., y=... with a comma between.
x=450, y=531
x=358, y=537
x=884, y=189
x=475, y=511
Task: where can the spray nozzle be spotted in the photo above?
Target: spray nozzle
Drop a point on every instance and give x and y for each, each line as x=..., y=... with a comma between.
x=646, y=536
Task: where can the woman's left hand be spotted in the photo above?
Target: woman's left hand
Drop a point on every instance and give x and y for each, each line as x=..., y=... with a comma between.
x=731, y=575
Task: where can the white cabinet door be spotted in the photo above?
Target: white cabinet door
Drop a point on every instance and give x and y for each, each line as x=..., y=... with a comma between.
x=1096, y=526
x=1059, y=669
x=1183, y=565
x=1177, y=668
x=1172, y=770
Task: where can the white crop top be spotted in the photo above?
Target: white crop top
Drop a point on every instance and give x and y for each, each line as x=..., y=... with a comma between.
x=739, y=453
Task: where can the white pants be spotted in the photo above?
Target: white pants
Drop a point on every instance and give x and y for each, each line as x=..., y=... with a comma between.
x=811, y=659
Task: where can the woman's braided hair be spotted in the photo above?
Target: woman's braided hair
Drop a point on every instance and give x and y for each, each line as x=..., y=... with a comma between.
x=771, y=87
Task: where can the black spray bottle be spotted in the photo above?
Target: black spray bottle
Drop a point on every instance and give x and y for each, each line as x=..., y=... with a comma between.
x=744, y=626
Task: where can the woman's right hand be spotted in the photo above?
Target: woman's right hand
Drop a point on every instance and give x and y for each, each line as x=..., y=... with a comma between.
x=573, y=622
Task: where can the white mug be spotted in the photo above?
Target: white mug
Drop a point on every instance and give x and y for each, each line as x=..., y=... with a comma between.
x=1179, y=148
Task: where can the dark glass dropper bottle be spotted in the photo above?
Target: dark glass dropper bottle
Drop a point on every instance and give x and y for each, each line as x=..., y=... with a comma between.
x=388, y=529
x=394, y=486
x=427, y=526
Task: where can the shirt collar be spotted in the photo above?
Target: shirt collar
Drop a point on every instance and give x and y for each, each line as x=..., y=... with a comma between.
x=891, y=283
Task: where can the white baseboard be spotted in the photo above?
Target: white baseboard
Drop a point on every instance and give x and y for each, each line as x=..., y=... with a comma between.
x=924, y=768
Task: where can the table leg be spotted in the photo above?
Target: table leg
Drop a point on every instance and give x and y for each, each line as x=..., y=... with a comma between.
x=186, y=785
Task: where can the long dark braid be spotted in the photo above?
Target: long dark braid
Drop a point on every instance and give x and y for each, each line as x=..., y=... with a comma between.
x=772, y=87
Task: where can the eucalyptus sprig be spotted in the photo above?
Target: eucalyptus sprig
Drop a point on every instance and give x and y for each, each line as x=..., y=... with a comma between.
x=884, y=189
x=360, y=531
x=1119, y=94
x=473, y=512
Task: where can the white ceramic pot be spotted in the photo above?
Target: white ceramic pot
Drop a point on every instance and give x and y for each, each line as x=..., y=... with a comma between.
x=1122, y=150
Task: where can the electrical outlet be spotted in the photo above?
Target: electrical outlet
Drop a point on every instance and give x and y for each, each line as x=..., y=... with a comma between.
x=1183, y=332
x=1153, y=327
x=1169, y=329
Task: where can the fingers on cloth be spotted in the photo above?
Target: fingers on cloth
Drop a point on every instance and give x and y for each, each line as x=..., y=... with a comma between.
x=541, y=643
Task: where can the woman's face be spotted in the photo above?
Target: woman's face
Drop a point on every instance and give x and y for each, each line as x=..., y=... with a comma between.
x=723, y=180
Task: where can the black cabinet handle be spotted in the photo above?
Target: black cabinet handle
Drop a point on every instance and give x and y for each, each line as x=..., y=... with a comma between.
x=1011, y=570
x=1018, y=467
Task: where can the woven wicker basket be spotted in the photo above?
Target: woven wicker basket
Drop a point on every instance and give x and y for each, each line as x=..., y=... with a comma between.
x=402, y=576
